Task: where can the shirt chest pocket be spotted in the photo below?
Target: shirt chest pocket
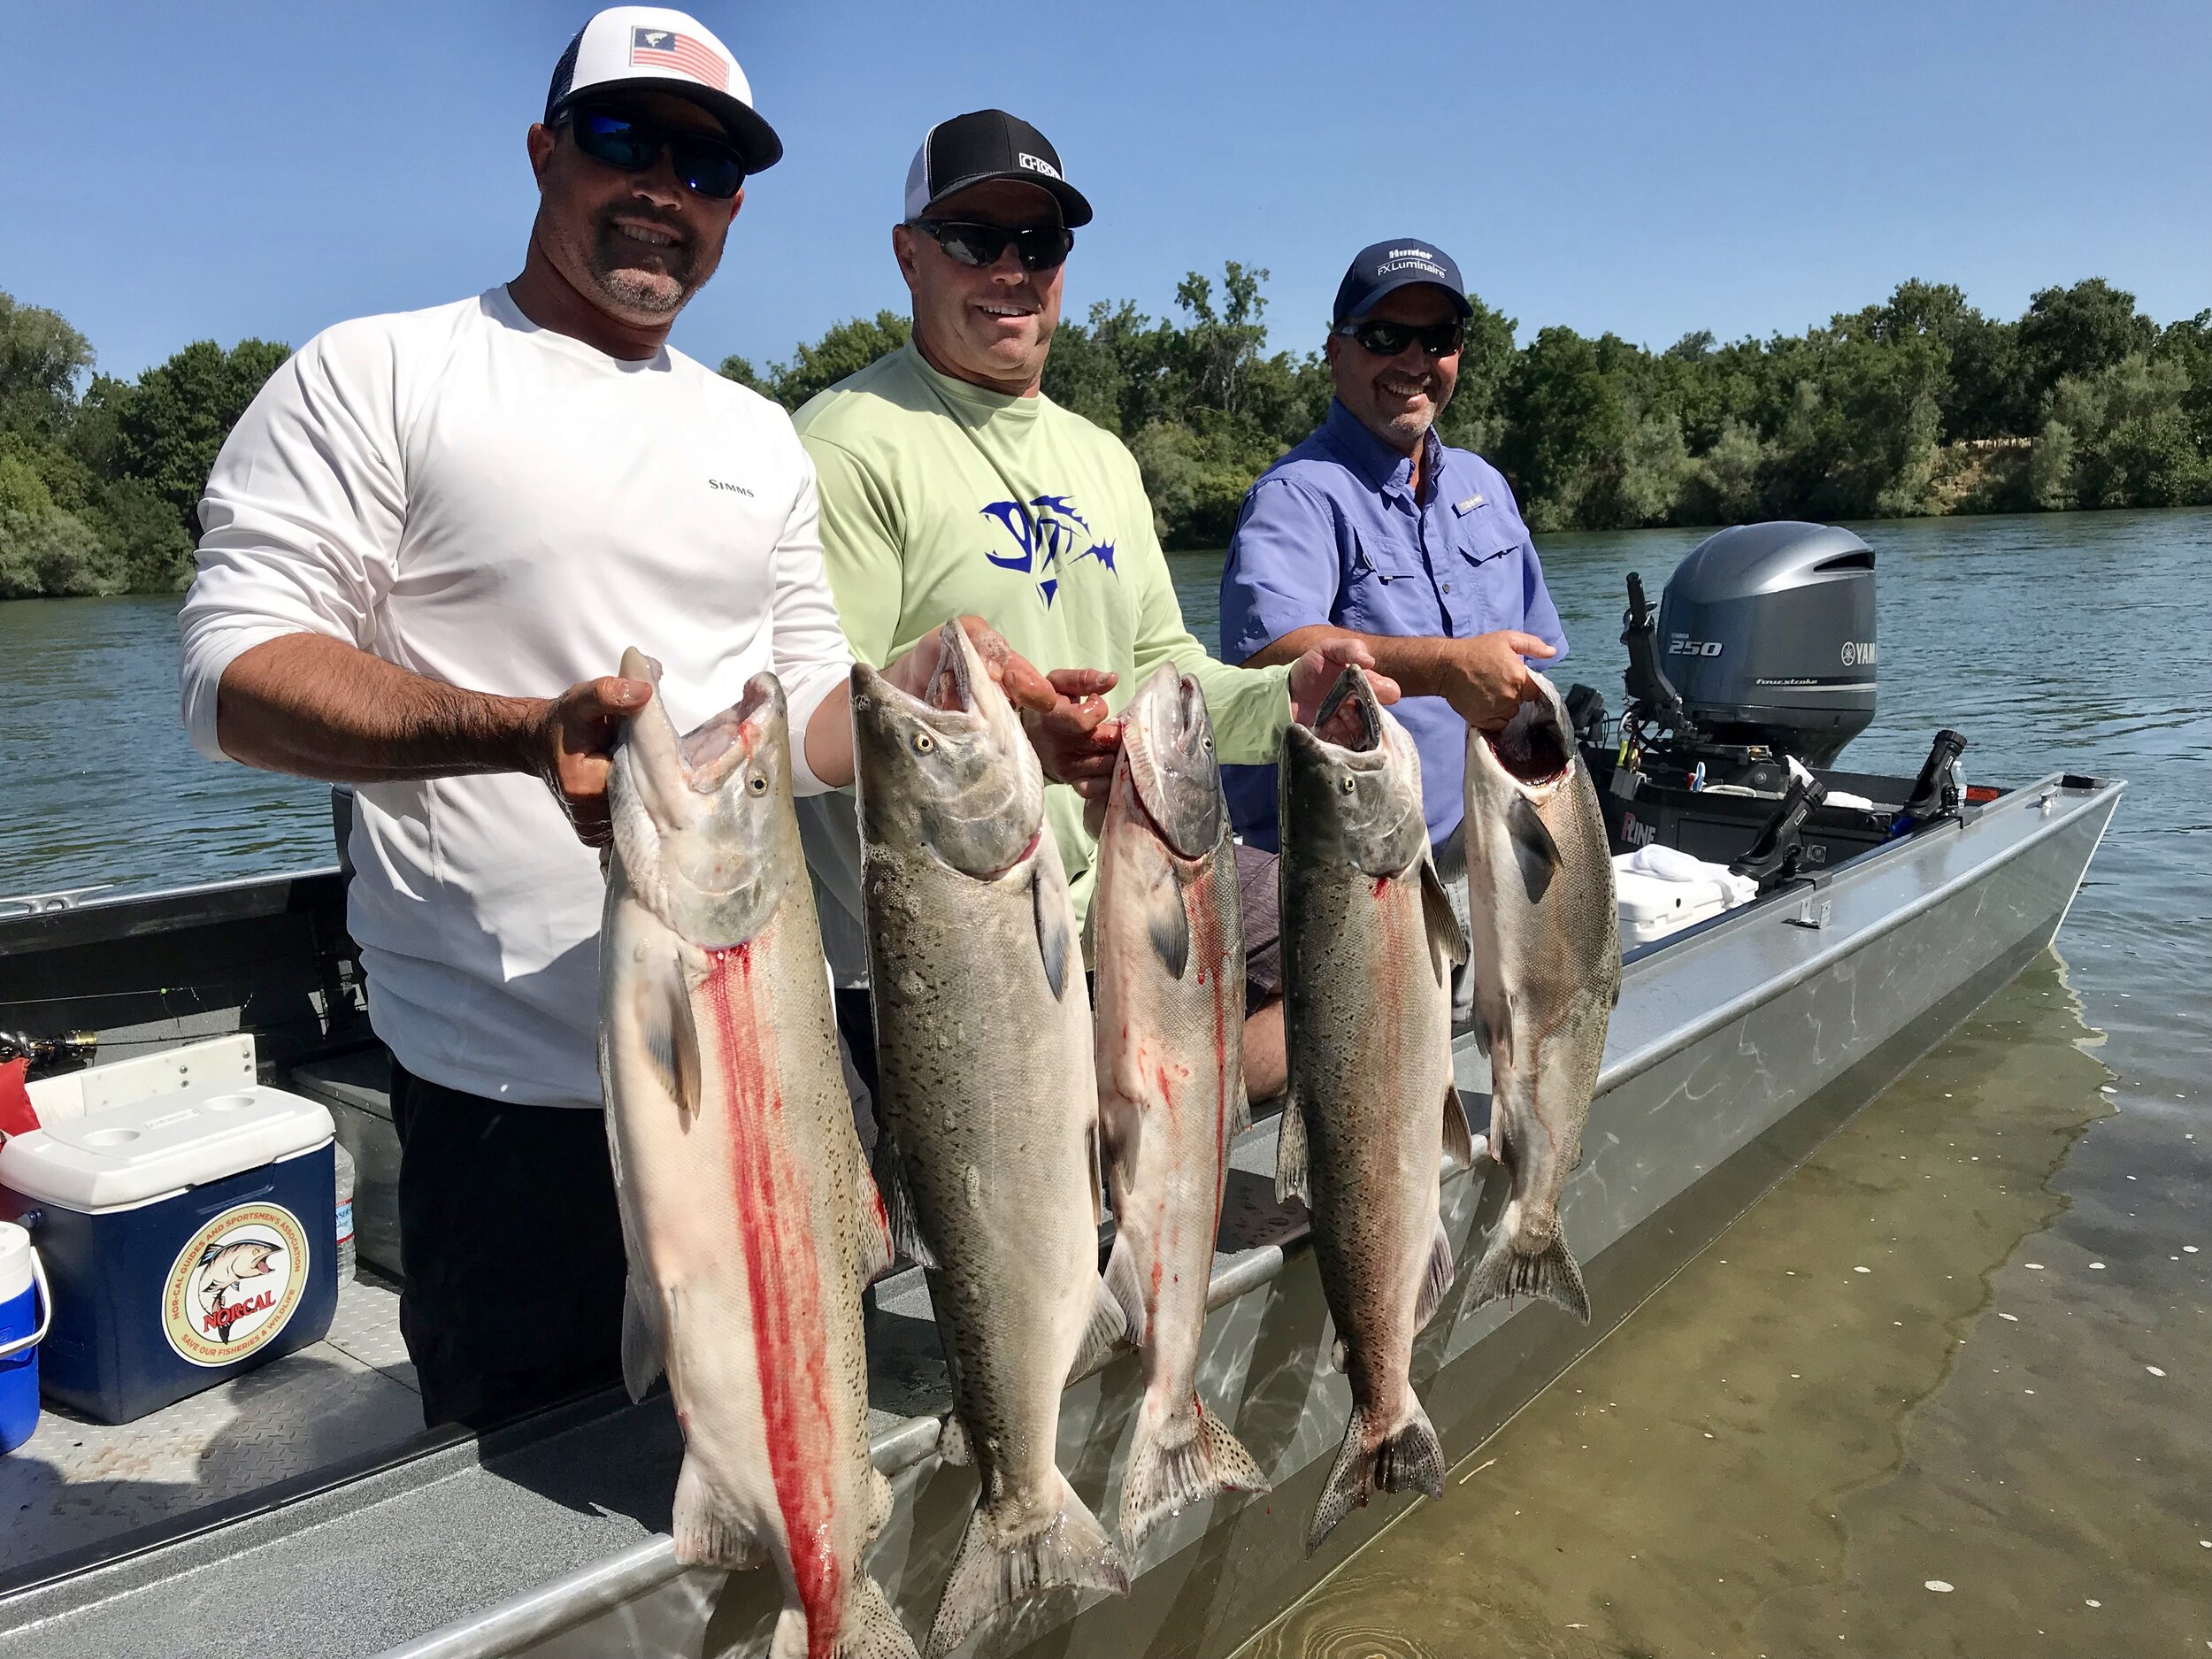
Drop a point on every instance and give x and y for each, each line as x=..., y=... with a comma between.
x=1483, y=583
x=1388, y=588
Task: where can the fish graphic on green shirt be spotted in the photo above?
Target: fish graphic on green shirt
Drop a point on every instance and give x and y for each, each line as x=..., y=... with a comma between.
x=940, y=499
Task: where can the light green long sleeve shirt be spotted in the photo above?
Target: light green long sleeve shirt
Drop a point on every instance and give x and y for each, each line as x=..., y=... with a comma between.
x=940, y=499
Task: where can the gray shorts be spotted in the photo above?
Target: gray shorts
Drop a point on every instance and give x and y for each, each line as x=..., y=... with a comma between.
x=1257, y=892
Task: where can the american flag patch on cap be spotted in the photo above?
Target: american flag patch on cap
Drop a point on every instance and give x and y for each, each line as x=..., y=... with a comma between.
x=665, y=49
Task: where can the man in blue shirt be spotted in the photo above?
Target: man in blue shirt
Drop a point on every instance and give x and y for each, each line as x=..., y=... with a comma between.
x=1372, y=528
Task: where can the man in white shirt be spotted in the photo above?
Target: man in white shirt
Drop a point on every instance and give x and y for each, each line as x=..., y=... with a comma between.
x=425, y=544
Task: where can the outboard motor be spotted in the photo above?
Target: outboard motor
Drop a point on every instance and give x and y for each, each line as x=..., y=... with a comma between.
x=1766, y=633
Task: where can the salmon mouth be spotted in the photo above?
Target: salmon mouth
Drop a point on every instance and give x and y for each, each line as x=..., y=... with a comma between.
x=712, y=751
x=1532, y=748
x=1351, y=686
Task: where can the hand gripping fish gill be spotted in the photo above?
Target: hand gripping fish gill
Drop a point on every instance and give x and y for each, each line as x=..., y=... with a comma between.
x=750, y=1218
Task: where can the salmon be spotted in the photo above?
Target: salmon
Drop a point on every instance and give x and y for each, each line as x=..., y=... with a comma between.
x=989, y=1155
x=1169, y=953
x=1369, y=938
x=752, y=1223
x=1547, y=973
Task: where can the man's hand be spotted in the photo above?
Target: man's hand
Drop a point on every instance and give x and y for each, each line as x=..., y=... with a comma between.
x=1320, y=668
x=571, y=746
x=1075, y=742
x=1485, y=680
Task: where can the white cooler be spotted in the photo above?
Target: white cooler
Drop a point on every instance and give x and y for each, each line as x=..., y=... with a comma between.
x=1661, y=891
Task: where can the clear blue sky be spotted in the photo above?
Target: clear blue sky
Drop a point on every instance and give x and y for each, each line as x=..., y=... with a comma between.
x=180, y=172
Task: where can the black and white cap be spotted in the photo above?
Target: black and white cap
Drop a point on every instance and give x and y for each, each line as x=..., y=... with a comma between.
x=988, y=144
x=658, y=50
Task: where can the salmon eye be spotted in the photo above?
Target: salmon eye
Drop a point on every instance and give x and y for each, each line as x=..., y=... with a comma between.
x=1348, y=786
x=758, y=784
x=924, y=742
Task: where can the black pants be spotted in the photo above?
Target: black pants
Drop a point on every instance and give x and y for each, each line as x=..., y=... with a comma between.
x=513, y=1247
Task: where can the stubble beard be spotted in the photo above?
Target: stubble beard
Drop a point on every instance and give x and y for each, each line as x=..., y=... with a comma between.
x=651, y=294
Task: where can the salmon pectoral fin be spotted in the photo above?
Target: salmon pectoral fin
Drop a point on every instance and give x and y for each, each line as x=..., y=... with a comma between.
x=993, y=1571
x=1445, y=932
x=1189, y=1457
x=1533, y=848
x=871, y=1630
x=1167, y=923
x=1551, y=1273
x=669, y=1037
x=706, y=1534
x=1290, y=1155
x=898, y=1204
x=1240, y=1111
x=640, y=1337
x=1459, y=1137
x=879, y=1250
x=1435, y=1280
x=1048, y=899
x=1108, y=1329
x=1372, y=1461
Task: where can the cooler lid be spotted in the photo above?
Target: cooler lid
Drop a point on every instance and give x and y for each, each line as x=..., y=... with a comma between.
x=128, y=1155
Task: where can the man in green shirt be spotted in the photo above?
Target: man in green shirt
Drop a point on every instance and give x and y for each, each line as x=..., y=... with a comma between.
x=949, y=486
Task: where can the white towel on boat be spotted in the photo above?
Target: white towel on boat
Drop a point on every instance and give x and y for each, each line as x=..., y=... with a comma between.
x=1669, y=864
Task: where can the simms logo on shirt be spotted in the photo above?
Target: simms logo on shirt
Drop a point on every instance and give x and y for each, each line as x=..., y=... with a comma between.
x=736, y=489
x=1041, y=532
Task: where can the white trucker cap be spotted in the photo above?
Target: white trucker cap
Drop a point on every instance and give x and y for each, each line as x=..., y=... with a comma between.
x=663, y=50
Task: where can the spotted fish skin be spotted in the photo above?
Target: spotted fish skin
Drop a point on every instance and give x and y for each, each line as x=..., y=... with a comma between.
x=750, y=1219
x=1169, y=950
x=1547, y=973
x=983, y=1035
x=1369, y=942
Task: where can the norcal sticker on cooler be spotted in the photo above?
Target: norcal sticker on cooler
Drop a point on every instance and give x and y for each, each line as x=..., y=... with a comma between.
x=235, y=1284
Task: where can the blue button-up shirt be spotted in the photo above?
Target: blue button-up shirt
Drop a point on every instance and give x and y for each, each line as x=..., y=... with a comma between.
x=1331, y=534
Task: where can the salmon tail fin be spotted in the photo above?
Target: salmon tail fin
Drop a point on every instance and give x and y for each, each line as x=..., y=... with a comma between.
x=1436, y=1280
x=993, y=1572
x=1185, y=1458
x=1290, y=1155
x=1413, y=1458
x=1108, y=1328
x=641, y=1340
x=1123, y=1284
x=1551, y=1273
x=706, y=1534
x=871, y=1630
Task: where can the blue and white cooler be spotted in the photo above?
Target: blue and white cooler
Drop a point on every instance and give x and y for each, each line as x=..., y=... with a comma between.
x=24, y=1308
x=186, y=1238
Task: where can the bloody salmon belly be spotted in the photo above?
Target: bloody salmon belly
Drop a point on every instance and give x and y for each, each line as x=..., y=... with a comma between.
x=783, y=1276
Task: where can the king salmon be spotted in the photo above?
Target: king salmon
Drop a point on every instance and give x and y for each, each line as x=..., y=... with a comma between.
x=750, y=1220
x=1547, y=973
x=990, y=1150
x=1169, y=949
x=1369, y=942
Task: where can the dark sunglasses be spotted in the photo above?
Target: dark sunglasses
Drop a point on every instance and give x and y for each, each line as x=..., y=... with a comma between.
x=1039, y=247
x=704, y=165
x=1387, y=340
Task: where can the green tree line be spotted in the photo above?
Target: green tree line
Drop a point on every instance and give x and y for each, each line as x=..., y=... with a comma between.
x=100, y=481
x=1918, y=405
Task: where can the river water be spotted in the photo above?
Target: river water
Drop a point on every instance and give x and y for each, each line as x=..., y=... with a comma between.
x=1779, y=1454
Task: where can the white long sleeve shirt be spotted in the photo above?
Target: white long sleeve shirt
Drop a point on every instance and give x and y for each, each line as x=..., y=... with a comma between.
x=505, y=508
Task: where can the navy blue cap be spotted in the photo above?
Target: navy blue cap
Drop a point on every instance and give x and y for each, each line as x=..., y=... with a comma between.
x=1387, y=267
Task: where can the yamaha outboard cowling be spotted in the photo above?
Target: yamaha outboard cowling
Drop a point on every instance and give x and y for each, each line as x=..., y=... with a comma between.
x=1767, y=631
